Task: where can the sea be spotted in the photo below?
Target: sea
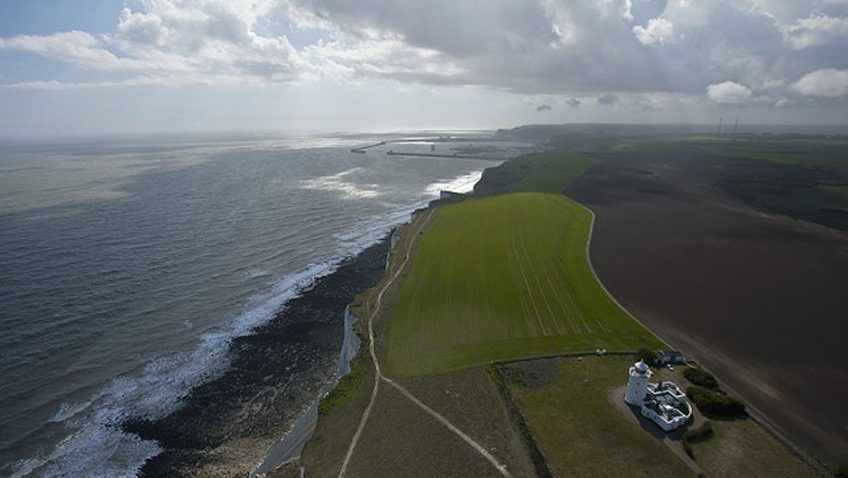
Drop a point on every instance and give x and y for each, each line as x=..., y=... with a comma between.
x=128, y=265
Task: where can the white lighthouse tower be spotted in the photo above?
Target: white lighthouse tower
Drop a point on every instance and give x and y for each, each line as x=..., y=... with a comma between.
x=637, y=385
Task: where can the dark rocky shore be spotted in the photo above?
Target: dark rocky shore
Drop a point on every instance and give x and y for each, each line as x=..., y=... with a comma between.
x=225, y=426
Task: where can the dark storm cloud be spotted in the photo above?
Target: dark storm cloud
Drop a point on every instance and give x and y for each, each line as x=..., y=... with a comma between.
x=590, y=47
x=607, y=99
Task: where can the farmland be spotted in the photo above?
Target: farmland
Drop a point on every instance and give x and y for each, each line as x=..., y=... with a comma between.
x=502, y=278
x=757, y=298
x=596, y=441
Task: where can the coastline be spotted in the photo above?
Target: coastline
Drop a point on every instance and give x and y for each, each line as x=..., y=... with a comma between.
x=291, y=444
x=276, y=373
x=758, y=417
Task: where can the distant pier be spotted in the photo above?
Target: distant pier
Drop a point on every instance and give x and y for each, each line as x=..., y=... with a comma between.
x=362, y=149
x=438, y=155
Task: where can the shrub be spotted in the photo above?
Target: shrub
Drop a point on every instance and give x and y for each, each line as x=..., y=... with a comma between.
x=701, y=378
x=648, y=356
x=346, y=386
x=695, y=435
x=715, y=404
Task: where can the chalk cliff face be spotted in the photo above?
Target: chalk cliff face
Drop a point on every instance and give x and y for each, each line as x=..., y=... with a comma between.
x=227, y=425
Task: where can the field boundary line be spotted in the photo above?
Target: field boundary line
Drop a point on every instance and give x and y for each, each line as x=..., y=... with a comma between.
x=379, y=375
x=753, y=411
x=600, y=283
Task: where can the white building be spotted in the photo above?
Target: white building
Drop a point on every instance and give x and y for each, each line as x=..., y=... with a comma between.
x=637, y=385
x=672, y=357
x=662, y=402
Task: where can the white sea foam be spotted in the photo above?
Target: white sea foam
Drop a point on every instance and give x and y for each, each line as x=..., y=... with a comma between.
x=96, y=446
x=255, y=273
x=338, y=183
x=459, y=184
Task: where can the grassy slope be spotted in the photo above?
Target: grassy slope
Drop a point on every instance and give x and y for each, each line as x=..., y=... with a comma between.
x=577, y=428
x=744, y=448
x=403, y=441
x=501, y=278
x=539, y=172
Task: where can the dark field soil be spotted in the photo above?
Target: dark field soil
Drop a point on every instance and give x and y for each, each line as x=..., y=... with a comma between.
x=789, y=189
x=759, y=299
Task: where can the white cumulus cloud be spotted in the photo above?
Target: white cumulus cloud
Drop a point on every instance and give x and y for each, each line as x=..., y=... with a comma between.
x=729, y=92
x=659, y=30
x=826, y=83
x=577, y=48
x=816, y=30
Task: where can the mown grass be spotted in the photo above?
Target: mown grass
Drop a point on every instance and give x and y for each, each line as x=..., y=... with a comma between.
x=567, y=405
x=744, y=448
x=502, y=278
x=538, y=172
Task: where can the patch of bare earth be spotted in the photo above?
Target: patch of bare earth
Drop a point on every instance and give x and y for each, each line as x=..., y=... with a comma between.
x=759, y=299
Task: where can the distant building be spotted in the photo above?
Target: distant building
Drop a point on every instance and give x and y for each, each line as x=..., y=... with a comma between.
x=662, y=402
x=672, y=357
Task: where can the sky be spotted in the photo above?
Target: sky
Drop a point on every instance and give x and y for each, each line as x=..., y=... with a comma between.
x=103, y=67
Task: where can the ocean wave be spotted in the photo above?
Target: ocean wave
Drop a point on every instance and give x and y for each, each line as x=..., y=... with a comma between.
x=460, y=184
x=97, y=446
x=337, y=182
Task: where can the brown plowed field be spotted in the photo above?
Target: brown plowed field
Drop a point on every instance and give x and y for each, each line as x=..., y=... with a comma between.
x=761, y=300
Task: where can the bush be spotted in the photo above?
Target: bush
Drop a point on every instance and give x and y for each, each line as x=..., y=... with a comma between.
x=715, y=404
x=346, y=386
x=648, y=356
x=701, y=378
x=695, y=435
x=841, y=472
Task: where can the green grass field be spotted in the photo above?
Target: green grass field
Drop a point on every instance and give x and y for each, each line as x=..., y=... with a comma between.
x=538, y=172
x=567, y=405
x=744, y=448
x=827, y=153
x=501, y=278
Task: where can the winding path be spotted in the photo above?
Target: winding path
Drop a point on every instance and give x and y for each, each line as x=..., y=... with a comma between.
x=380, y=377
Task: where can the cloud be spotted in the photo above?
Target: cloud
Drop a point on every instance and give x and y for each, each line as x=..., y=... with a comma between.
x=826, y=83
x=181, y=40
x=544, y=107
x=607, y=99
x=729, y=92
x=659, y=30
x=573, y=102
x=75, y=47
x=575, y=48
x=816, y=30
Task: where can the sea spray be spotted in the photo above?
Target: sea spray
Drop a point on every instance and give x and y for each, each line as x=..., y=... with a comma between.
x=93, y=441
